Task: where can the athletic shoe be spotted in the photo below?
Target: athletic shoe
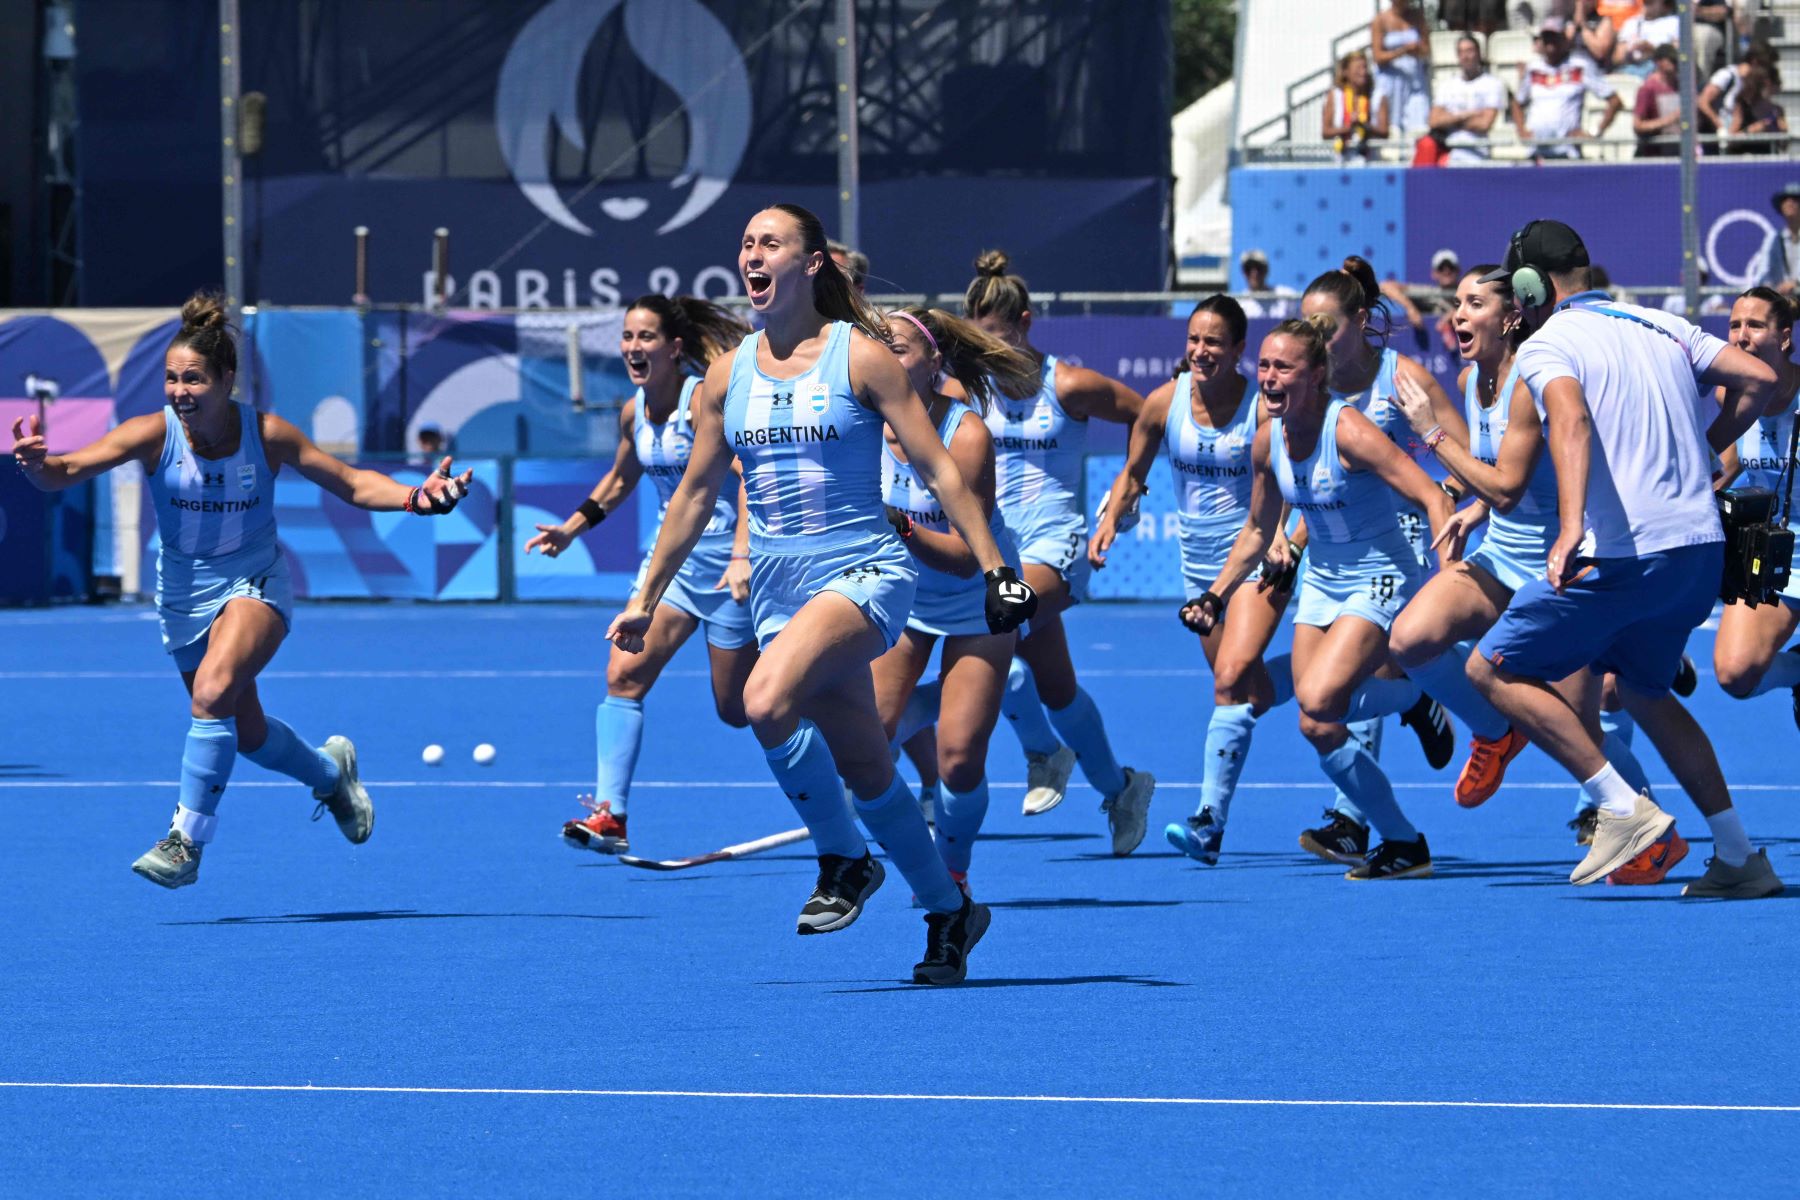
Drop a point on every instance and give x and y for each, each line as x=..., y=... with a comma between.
x=1046, y=779
x=1486, y=769
x=948, y=939
x=600, y=832
x=1339, y=840
x=845, y=884
x=1686, y=677
x=1432, y=725
x=1618, y=840
x=1395, y=860
x=1752, y=881
x=173, y=862
x=1654, y=864
x=348, y=802
x=1199, y=838
x=1583, y=825
x=928, y=803
x=1126, y=811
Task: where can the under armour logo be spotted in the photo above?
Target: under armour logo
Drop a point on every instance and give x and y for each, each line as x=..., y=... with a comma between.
x=782, y=400
x=860, y=574
x=802, y=797
x=208, y=479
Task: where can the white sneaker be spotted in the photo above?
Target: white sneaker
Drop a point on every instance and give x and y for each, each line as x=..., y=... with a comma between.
x=1126, y=811
x=1046, y=779
x=1618, y=840
x=348, y=803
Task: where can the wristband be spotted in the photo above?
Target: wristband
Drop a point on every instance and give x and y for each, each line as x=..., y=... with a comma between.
x=412, y=503
x=1433, y=436
x=740, y=558
x=591, y=512
x=1449, y=489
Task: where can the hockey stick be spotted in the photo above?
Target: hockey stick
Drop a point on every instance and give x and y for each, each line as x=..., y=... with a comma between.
x=772, y=842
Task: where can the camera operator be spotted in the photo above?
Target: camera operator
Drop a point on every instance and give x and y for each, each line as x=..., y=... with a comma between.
x=1640, y=552
x=1747, y=655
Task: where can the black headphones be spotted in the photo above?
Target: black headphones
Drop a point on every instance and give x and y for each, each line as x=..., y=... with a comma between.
x=1530, y=288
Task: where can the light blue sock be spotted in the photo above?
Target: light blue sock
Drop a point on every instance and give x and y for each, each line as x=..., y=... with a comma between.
x=1281, y=674
x=618, y=736
x=1379, y=697
x=284, y=753
x=1227, y=744
x=206, y=763
x=921, y=710
x=1616, y=729
x=1783, y=672
x=894, y=821
x=1361, y=777
x=1446, y=678
x=1366, y=734
x=959, y=817
x=804, y=768
x=1020, y=705
x=1080, y=726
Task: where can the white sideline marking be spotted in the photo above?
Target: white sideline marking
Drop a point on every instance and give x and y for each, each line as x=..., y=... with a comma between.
x=684, y=1094
x=1161, y=784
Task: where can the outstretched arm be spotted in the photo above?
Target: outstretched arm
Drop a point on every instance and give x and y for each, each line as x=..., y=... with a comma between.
x=608, y=494
x=139, y=438
x=366, y=489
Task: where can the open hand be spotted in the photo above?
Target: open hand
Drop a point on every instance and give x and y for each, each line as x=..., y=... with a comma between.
x=550, y=541
x=441, y=490
x=29, y=447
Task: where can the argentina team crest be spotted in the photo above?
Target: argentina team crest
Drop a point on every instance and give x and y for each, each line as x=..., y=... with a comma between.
x=818, y=398
x=247, y=476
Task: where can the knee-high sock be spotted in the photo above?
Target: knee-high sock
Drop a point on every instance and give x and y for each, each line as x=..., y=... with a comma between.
x=618, y=736
x=1227, y=745
x=894, y=821
x=921, y=710
x=1446, y=677
x=1080, y=726
x=1616, y=729
x=1366, y=734
x=1379, y=697
x=1361, y=778
x=1020, y=705
x=959, y=817
x=206, y=763
x=285, y=753
x=804, y=768
x=1783, y=672
x=1281, y=674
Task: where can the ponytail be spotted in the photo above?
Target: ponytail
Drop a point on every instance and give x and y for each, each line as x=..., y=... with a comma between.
x=979, y=361
x=833, y=296
x=994, y=293
x=206, y=330
x=706, y=330
x=1354, y=288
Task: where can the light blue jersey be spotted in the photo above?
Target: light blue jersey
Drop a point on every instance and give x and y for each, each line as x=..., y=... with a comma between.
x=1039, y=450
x=1376, y=402
x=1763, y=454
x=1213, y=471
x=1516, y=545
x=1358, y=563
x=811, y=454
x=946, y=604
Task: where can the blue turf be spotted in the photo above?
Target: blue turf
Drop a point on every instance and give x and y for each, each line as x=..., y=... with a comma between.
x=464, y=947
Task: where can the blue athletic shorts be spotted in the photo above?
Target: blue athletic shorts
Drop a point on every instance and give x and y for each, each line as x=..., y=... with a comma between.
x=1057, y=540
x=948, y=606
x=875, y=572
x=190, y=595
x=1510, y=571
x=1372, y=580
x=1627, y=615
x=726, y=621
x=1205, y=545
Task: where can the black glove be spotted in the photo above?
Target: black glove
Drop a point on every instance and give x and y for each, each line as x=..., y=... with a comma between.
x=1010, y=600
x=1280, y=578
x=1202, y=615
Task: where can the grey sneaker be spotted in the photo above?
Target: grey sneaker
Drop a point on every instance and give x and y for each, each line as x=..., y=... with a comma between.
x=173, y=862
x=348, y=802
x=1618, y=840
x=1752, y=881
x=1126, y=811
x=1046, y=779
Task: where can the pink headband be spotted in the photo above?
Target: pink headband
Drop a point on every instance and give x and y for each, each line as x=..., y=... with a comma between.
x=921, y=327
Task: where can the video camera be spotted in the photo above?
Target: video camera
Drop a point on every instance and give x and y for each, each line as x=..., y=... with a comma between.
x=1759, y=548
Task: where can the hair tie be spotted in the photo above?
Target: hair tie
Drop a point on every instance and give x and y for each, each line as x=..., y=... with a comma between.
x=920, y=325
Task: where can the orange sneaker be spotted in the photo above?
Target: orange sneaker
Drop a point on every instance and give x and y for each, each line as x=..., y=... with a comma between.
x=1482, y=774
x=601, y=832
x=1654, y=863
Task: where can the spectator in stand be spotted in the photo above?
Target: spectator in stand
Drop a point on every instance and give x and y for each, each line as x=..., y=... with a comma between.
x=1660, y=25
x=1552, y=86
x=853, y=263
x=1591, y=28
x=1467, y=107
x=1781, y=254
x=1712, y=304
x=1657, y=113
x=1474, y=16
x=1354, y=114
x=1255, y=265
x=1402, y=52
x=1431, y=311
x=1757, y=112
x=1719, y=97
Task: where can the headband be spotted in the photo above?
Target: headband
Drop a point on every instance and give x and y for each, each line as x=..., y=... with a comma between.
x=920, y=325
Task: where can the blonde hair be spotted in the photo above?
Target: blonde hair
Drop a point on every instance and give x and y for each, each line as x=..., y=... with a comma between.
x=1314, y=335
x=994, y=293
x=980, y=362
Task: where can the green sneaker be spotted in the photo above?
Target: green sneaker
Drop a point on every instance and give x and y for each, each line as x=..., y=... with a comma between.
x=173, y=862
x=348, y=802
x=1752, y=881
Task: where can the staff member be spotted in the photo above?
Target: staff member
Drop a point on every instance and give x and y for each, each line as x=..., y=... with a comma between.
x=1636, y=564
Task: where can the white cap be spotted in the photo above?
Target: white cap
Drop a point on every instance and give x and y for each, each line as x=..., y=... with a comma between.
x=1440, y=257
x=1252, y=255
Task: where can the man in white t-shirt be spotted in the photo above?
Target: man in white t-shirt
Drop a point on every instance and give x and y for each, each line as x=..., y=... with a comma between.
x=1464, y=109
x=1255, y=265
x=1552, y=87
x=1638, y=560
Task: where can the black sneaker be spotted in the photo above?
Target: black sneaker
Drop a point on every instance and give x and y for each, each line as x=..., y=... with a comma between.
x=1432, y=725
x=844, y=885
x=1339, y=840
x=1584, y=824
x=948, y=939
x=1395, y=860
x=1686, y=677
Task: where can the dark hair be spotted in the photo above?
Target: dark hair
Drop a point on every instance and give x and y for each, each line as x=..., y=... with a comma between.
x=832, y=294
x=1503, y=285
x=1780, y=307
x=1229, y=311
x=1354, y=289
x=981, y=362
x=994, y=293
x=706, y=330
x=1313, y=334
x=855, y=260
x=1473, y=41
x=206, y=330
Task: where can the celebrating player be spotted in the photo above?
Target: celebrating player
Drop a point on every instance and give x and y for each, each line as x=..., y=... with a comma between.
x=222, y=590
